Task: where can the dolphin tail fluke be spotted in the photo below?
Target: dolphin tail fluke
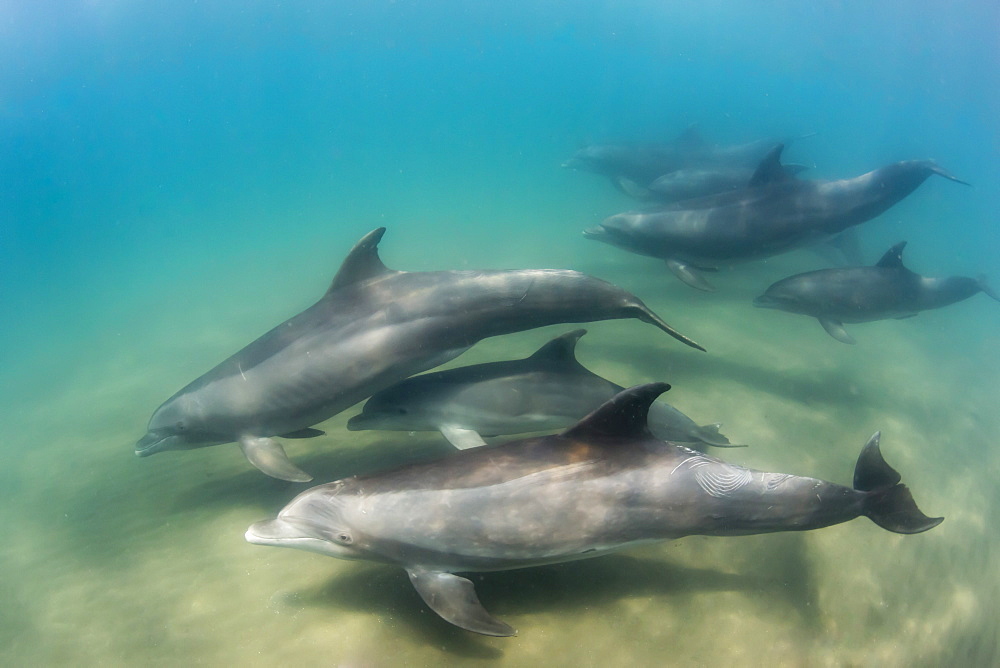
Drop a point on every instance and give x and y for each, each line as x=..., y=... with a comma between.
x=454, y=599
x=888, y=503
x=270, y=458
x=987, y=288
x=941, y=171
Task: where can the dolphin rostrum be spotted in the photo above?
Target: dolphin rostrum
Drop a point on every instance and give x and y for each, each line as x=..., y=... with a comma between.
x=372, y=328
x=548, y=390
x=774, y=214
x=604, y=484
x=863, y=294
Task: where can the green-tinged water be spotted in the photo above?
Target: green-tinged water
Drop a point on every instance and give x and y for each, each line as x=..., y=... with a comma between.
x=177, y=179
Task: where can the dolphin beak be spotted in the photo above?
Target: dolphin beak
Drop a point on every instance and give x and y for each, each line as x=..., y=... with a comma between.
x=151, y=443
x=595, y=232
x=765, y=302
x=271, y=532
x=357, y=423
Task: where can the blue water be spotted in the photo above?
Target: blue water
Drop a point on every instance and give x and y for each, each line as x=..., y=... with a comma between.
x=178, y=177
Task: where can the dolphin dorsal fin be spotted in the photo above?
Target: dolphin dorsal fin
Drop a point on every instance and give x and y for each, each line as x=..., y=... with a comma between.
x=561, y=349
x=622, y=416
x=769, y=170
x=893, y=258
x=361, y=263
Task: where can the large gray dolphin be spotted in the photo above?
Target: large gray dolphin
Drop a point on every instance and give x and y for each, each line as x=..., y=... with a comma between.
x=548, y=390
x=641, y=164
x=372, y=328
x=603, y=485
x=863, y=294
x=774, y=214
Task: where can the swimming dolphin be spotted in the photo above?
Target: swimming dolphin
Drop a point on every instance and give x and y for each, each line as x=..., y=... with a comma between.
x=372, y=328
x=862, y=294
x=546, y=391
x=641, y=164
x=774, y=214
x=604, y=484
x=684, y=184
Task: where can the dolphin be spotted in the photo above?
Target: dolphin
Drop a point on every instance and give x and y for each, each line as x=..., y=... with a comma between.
x=372, y=328
x=863, y=294
x=548, y=390
x=685, y=184
x=602, y=485
x=774, y=214
x=643, y=163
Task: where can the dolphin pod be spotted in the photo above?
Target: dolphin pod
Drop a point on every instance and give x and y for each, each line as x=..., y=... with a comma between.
x=602, y=485
x=863, y=294
x=774, y=214
x=372, y=328
x=548, y=390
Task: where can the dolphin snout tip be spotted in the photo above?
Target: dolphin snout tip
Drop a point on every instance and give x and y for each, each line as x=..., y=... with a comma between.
x=594, y=232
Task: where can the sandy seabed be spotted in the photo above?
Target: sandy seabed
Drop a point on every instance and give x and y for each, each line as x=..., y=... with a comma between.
x=113, y=560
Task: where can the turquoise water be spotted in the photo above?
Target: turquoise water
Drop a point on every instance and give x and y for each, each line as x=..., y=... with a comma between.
x=180, y=177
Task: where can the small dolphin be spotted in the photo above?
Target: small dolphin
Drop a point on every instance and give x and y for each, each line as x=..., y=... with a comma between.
x=372, y=328
x=604, y=484
x=548, y=390
x=641, y=164
x=685, y=184
x=863, y=294
x=774, y=214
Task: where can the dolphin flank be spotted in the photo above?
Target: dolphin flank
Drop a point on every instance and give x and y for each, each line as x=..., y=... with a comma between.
x=602, y=485
x=373, y=327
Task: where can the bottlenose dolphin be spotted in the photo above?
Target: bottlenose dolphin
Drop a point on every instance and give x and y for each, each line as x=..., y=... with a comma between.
x=774, y=214
x=641, y=164
x=372, y=328
x=862, y=294
x=546, y=391
x=684, y=184
x=604, y=484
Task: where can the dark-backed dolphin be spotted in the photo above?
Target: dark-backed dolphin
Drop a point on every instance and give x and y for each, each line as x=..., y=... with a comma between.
x=774, y=214
x=604, y=484
x=863, y=294
x=372, y=328
x=547, y=391
x=642, y=163
x=684, y=184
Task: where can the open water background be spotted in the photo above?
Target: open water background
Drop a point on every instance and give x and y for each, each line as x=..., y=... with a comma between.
x=178, y=177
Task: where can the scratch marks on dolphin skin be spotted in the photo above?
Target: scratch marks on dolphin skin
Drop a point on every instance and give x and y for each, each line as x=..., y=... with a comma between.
x=717, y=478
x=774, y=480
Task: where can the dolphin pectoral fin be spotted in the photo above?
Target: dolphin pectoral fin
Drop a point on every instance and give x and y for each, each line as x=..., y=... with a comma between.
x=463, y=439
x=454, y=599
x=689, y=275
x=269, y=457
x=908, y=315
x=304, y=433
x=835, y=328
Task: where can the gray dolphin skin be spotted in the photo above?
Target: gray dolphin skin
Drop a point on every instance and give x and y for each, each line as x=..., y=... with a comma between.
x=603, y=485
x=863, y=294
x=642, y=164
x=372, y=328
x=774, y=214
x=548, y=390
x=684, y=184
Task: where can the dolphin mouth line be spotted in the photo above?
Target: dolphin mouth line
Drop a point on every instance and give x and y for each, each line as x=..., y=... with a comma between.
x=148, y=445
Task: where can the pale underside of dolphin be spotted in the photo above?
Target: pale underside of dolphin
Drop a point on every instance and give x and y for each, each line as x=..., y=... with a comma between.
x=776, y=213
x=547, y=391
x=603, y=485
x=372, y=328
x=864, y=294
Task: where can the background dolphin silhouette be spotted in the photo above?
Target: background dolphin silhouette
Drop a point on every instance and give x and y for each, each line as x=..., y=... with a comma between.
x=372, y=328
x=864, y=294
x=604, y=484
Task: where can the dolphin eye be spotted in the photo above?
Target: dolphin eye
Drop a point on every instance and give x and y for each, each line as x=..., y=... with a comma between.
x=180, y=426
x=344, y=538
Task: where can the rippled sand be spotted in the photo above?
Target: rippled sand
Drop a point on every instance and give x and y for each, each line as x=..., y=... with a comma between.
x=109, y=559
